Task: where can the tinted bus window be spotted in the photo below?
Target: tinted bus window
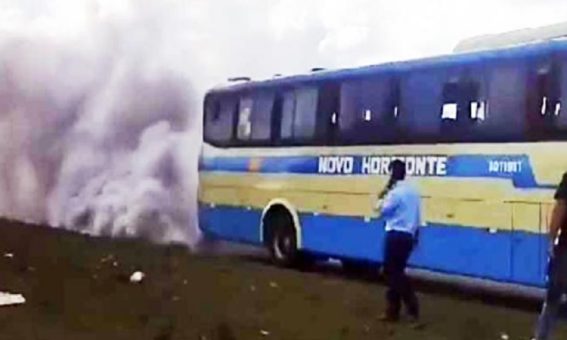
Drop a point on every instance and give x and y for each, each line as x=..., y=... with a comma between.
x=368, y=111
x=421, y=100
x=505, y=119
x=546, y=87
x=463, y=107
x=261, y=119
x=219, y=115
x=328, y=112
x=304, y=125
x=255, y=117
x=244, y=128
x=288, y=116
x=560, y=106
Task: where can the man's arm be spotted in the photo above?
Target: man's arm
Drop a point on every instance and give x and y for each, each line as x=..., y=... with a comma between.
x=559, y=210
x=389, y=205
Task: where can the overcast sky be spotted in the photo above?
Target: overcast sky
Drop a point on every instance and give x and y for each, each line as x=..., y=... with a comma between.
x=216, y=39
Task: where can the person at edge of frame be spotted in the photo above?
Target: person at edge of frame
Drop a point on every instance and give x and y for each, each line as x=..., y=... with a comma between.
x=557, y=264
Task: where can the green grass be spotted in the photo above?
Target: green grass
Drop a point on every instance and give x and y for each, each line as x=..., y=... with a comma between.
x=74, y=291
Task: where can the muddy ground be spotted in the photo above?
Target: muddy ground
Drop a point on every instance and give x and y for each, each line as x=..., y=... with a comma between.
x=78, y=288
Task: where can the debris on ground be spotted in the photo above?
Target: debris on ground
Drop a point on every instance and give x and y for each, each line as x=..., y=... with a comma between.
x=107, y=258
x=137, y=277
x=8, y=299
x=9, y=255
x=264, y=333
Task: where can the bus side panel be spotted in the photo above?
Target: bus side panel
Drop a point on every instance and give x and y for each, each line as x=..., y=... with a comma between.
x=463, y=250
x=344, y=237
x=231, y=223
x=527, y=261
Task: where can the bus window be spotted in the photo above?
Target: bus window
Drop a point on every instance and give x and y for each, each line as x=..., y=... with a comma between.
x=560, y=109
x=288, y=114
x=328, y=112
x=261, y=119
x=549, y=104
x=449, y=108
x=276, y=118
x=369, y=109
x=350, y=109
x=474, y=101
x=422, y=100
x=219, y=114
x=463, y=108
x=506, y=98
x=304, y=123
x=544, y=107
x=255, y=118
x=244, y=128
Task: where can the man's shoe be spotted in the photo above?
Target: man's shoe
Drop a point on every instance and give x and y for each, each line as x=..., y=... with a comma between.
x=415, y=323
x=386, y=317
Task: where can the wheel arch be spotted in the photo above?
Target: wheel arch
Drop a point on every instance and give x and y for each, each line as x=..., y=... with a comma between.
x=275, y=206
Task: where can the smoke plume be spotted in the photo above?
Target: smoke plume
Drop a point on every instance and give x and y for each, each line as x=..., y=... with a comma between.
x=100, y=132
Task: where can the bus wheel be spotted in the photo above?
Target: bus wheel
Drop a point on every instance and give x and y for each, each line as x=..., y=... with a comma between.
x=282, y=242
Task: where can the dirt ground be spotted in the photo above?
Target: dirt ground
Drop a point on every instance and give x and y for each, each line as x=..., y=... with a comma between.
x=78, y=288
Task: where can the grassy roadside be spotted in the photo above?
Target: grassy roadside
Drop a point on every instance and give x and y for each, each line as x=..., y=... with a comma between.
x=77, y=288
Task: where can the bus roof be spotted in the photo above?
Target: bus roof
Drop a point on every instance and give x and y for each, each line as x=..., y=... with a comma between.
x=401, y=66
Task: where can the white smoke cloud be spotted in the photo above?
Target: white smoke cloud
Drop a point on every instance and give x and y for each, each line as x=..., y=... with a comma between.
x=100, y=99
x=93, y=121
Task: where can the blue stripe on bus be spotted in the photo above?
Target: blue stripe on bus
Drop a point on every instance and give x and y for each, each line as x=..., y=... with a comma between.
x=466, y=166
x=505, y=256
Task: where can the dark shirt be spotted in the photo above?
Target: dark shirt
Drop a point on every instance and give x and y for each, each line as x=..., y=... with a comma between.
x=561, y=194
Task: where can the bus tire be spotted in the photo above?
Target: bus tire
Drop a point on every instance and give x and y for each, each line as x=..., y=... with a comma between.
x=281, y=239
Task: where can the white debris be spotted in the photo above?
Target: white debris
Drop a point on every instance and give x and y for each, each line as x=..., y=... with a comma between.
x=9, y=255
x=504, y=336
x=137, y=277
x=7, y=299
x=264, y=333
x=115, y=264
x=252, y=288
x=273, y=284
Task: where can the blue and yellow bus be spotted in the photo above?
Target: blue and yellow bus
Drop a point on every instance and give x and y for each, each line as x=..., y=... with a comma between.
x=295, y=163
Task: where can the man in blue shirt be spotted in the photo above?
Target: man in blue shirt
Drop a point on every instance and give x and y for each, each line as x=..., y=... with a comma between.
x=401, y=210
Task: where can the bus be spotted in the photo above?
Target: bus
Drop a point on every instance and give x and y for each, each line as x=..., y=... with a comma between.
x=295, y=163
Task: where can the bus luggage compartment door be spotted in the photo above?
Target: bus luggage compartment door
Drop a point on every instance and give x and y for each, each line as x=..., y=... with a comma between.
x=527, y=243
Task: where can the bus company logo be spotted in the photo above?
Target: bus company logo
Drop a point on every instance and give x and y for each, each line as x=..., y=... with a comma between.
x=425, y=165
